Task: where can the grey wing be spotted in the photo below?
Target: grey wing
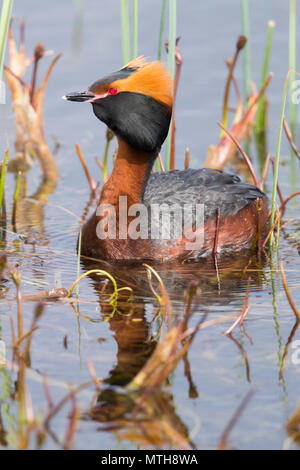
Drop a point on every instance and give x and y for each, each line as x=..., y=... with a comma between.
x=213, y=188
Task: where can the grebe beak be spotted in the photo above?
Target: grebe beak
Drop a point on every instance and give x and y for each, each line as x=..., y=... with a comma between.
x=79, y=96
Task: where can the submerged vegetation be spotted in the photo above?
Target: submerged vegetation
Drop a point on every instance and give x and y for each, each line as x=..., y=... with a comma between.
x=136, y=402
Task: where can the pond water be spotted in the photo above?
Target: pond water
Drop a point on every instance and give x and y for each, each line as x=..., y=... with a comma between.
x=207, y=387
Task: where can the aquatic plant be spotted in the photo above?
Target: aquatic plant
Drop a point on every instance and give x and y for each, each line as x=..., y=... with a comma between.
x=161, y=29
x=260, y=122
x=277, y=157
x=125, y=31
x=4, y=25
x=28, y=100
x=171, y=68
x=2, y=179
x=246, y=51
x=292, y=59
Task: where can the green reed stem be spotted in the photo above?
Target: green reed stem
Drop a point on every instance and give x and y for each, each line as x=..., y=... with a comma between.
x=172, y=37
x=239, y=46
x=277, y=157
x=134, y=28
x=246, y=51
x=15, y=200
x=160, y=48
x=109, y=137
x=292, y=59
x=78, y=261
x=260, y=115
x=4, y=24
x=104, y=171
x=171, y=68
x=125, y=31
x=2, y=177
x=161, y=29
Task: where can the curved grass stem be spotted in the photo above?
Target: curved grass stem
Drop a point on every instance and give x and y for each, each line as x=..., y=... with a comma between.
x=99, y=272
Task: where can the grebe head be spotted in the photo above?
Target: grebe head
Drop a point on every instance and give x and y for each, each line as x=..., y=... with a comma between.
x=135, y=103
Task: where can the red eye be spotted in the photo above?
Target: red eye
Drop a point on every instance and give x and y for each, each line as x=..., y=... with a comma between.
x=112, y=91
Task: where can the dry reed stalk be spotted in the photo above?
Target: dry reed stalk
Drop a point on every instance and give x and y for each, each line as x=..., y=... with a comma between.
x=162, y=168
x=240, y=44
x=271, y=229
x=286, y=348
x=187, y=158
x=93, y=375
x=282, y=207
x=293, y=425
x=246, y=158
x=91, y=181
x=286, y=289
x=290, y=138
x=28, y=101
x=218, y=155
x=244, y=312
x=223, y=443
x=265, y=170
x=73, y=423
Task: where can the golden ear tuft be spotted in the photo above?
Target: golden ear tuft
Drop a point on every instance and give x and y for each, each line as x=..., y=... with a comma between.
x=136, y=63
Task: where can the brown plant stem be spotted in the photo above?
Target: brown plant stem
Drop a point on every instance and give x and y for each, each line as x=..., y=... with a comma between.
x=290, y=138
x=25, y=335
x=38, y=54
x=187, y=159
x=271, y=229
x=54, y=410
x=244, y=354
x=208, y=323
x=73, y=421
x=243, y=313
x=265, y=170
x=223, y=443
x=47, y=392
x=215, y=248
x=91, y=181
x=239, y=46
x=286, y=289
x=247, y=159
x=162, y=168
x=286, y=349
x=282, y=207
x=178, y=59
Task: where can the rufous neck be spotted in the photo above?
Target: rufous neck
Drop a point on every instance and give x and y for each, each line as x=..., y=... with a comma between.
x=130, y=173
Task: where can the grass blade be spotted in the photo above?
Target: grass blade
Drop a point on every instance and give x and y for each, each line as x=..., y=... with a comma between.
x=277, y=157
x=4, y=24
x=15, y=201
x=134, y=28
x=2, y=177
x=292, y=59
x=171, y=68
x=240, y=44
x=78, y=261
x=125, y=31
x=246, y=52
x=261, y=109
x=161, y=29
